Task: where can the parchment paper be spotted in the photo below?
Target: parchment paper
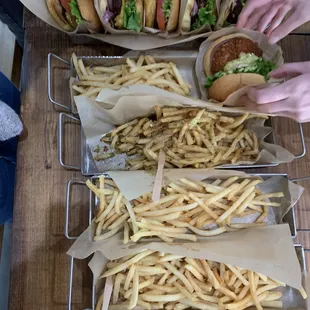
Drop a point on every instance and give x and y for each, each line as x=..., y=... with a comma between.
x=291, y=297
x=131, y=41
x=133, y=184
x=268, y=250
x=98, y=120
x=270, y=52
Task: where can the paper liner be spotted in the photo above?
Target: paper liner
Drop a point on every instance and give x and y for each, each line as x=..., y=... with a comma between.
x=270, y=52
x=115, y=108
x=291, y=297
x=140, y=183
x=267, y=250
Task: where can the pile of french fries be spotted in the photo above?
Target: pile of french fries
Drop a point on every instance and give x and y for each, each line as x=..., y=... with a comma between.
x=92, y=79
x=157, y=280
x=190, y=137
x=186, y=209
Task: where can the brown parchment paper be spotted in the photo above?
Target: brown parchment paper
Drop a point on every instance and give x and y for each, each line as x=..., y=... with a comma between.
x=291, y=297
x=268, y=250
x=133, y=184
x=270, y=52
x=131, y=41
x=98, y=120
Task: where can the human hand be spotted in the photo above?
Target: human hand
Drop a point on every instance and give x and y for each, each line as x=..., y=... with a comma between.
x=290, y=99
x=268, y=16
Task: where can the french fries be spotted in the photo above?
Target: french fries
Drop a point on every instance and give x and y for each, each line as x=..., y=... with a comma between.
x=190, y=137
x=92, y=79
x=184, y=283
x=186, y=209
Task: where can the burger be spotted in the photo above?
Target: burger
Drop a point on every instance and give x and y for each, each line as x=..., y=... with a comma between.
x=123, y=14
x=162, y=14
x=233, y=62
x=229, y=12
x=199, y=13
x=68, y=14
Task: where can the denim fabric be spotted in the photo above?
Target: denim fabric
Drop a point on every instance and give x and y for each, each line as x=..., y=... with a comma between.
x=11, y=96
x=11, y=14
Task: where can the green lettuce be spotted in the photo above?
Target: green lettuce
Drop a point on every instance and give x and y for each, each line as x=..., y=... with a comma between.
x=75, y=11
x=166, y=8
x=205, y=16
x=259, y=66
x=132, y=20
x=211, y=79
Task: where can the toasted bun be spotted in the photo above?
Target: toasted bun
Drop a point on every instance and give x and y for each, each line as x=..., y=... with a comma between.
x=140, y=9
x=225, y=8
x=54, y=8
x=89, y=14
x=102, y=5
x=186, y=20
x=150, y=12
x=228, y=84
x=226, y=49
x=174, y=16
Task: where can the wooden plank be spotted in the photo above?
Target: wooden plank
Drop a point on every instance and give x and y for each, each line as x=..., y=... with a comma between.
x=40, y=267
x=304, y=29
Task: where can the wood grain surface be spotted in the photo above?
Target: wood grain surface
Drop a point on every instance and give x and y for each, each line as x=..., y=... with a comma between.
x=40, y=266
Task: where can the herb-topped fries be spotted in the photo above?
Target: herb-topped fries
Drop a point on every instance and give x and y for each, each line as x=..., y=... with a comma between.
x=190, y=137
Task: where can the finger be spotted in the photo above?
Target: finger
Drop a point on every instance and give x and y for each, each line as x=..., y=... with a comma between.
x=277, y=20
x=276, y=108
x=293, y=22
x=290, y=69
x=270, y=93
x=247, y=11
x=268, y=17
x=255, y=18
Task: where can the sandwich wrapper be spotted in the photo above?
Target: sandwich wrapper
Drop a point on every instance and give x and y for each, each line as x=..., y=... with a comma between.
x=270, y=52
x=117, y=107
x=123, y=38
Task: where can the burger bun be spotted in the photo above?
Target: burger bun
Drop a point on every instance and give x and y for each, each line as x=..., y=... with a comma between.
x=89, y=14
x=172, y=23
x=186, y=21
x=228, y=84
x=150, y=12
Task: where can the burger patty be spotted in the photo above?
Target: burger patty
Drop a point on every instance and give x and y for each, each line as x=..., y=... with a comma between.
x=231, y=50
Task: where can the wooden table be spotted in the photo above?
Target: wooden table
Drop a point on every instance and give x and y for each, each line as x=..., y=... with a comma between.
x=40, y=266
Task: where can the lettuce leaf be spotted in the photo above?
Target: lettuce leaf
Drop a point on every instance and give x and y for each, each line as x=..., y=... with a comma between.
x=205, y=16
x=260, y=66
x=75, y=11
x=132, y=20
x=211, y=79
x=166, y=8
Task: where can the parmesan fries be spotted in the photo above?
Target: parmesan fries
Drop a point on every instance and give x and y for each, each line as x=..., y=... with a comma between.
x=92, y=79
x=186, y=209
x=190, y=137
x=156, y=280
